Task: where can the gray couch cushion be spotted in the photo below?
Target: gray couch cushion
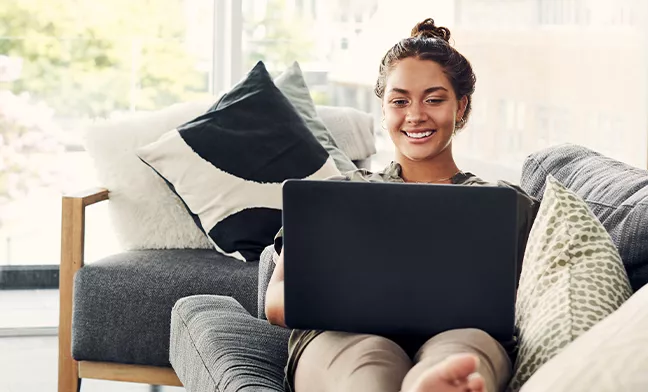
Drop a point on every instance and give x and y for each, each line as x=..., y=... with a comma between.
x=617, y=194
x=216, y=345
x=122, y=304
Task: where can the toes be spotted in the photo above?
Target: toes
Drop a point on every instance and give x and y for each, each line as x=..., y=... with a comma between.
x=475, y=383
x=459, y=367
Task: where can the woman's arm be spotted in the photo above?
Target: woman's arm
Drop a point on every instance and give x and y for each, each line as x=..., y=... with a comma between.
x=274, y=305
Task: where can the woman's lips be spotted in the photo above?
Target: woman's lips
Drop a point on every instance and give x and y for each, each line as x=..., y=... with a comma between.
x=419, y=137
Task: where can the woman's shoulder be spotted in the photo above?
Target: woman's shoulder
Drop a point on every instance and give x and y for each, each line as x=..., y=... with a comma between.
x=471, y=179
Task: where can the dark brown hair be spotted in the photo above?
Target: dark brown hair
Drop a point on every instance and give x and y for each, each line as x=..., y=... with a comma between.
x=430, y=42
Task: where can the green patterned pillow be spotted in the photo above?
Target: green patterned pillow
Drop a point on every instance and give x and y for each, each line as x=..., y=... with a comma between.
x=572, y=278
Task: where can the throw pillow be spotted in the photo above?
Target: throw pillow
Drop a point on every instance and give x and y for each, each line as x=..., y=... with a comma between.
x=610, y=357
x=352, y=129
x=615, y=192
x=292, y=84
x=144, y=212
x=572, y=278
x=228, y=165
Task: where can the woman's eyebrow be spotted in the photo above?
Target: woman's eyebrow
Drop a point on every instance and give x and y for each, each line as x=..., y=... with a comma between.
x=427, y=90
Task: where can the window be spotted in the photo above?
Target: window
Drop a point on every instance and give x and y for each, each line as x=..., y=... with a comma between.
x=552, y=123
x=314, y=9
x=513, y=123
x=273, y=34
x=539, y=67
x=564, y=12
x=62, y=65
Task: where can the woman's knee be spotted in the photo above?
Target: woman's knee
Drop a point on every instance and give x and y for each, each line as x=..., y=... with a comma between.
x=370, y=359
x=465, y=334
x=368, y=348
x=356, y=351
x=492, y=356
x=337, y=358
x=462, y=335
x=459, y=340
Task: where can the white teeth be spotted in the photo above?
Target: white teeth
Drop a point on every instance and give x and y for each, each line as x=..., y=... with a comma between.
x=419, y=135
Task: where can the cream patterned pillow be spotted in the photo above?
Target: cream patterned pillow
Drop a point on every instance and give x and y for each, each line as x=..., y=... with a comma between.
x=610, y=357
x=572, y=278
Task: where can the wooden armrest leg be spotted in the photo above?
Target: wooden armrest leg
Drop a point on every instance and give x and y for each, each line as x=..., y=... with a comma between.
x=72, y=247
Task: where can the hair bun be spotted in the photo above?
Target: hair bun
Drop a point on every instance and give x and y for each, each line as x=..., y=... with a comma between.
x=427, y=29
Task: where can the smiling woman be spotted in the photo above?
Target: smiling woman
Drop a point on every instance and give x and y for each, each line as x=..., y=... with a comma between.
x=421, y=120
x=425, y=87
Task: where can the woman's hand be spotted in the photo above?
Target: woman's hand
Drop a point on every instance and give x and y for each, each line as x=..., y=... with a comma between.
x=274, y=305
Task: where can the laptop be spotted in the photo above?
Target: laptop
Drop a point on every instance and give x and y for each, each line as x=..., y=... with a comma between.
x=399, y=259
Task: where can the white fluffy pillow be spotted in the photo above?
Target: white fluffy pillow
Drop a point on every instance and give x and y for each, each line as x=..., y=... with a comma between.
x=138, y=197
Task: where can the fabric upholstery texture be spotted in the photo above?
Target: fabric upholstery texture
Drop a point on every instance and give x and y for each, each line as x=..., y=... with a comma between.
x=216, y=345
x=572, y=278
x=229, y=164
x=615, y=192
x=266, y=268
x=122, y=304
x=610, y=357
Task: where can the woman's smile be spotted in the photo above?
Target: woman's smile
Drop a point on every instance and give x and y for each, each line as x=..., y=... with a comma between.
x=419, y=136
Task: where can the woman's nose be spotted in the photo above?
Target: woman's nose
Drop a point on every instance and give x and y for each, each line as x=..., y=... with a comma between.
x=416, y=114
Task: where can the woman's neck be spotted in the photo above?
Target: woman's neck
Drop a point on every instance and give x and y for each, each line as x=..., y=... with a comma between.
x=438, y=169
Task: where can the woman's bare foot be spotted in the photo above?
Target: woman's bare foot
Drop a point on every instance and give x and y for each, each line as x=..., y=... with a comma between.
x=456, y=374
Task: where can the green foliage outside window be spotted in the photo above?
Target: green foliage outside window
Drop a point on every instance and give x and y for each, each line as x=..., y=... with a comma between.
x=89, y=58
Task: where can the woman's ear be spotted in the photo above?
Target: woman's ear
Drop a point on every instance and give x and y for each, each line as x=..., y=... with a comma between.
x=461, y=110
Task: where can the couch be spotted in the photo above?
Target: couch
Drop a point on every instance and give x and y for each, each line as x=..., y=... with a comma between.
x=115, y=312
x=219, y=343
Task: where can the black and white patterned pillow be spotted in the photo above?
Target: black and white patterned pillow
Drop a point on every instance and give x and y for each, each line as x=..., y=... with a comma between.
x=228, y=165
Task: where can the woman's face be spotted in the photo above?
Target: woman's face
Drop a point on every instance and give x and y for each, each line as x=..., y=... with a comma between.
x=420, y=109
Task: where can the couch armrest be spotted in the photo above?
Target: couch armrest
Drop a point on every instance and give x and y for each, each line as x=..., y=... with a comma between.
x=73, y=226
x=72, y=247
x=266, y=268
x=216, y=345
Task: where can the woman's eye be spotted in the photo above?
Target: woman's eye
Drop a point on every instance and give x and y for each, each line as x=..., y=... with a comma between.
x=434, y=100
x=399, y=102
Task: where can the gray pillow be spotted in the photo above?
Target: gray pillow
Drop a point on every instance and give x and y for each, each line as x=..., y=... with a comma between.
x=292, y=84
x=352, y=130
x=615, y=192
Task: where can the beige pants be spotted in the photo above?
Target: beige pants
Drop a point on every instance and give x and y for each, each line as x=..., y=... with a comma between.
x=339, y=362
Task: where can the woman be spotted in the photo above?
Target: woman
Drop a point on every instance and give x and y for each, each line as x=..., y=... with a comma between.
x=426, y=90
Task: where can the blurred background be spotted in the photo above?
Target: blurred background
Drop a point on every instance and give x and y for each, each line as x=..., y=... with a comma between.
x=548, y=72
